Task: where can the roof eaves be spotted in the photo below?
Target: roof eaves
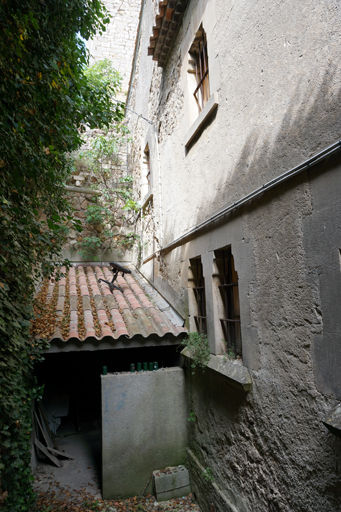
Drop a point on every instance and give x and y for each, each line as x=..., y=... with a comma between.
x=165, y=29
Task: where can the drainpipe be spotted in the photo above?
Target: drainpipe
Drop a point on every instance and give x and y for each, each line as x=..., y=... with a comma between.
x=304, y=166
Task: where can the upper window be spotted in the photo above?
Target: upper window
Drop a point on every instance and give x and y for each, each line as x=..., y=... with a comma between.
x=228, y=287
x=146, y=176
x=199, y=294
x=198, y=63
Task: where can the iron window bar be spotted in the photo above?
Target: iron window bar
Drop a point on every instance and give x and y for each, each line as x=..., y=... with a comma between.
x=201, y=70
x=231, y=322
x=199, y=292
x=227, y=284
x=200, y=322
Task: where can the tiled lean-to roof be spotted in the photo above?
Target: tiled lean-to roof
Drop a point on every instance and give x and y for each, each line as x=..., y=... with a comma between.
x=78, y=310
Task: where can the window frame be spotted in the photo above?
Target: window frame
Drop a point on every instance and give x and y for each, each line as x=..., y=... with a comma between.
x=229, y=295
x=198, y=288
x=146, y=175
x=198, y=63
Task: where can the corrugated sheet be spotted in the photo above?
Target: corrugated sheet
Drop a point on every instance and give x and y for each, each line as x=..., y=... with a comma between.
x=78, y=307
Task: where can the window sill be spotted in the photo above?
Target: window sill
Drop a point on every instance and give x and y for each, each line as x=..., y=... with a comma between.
x=237, y=374
x=198, y=124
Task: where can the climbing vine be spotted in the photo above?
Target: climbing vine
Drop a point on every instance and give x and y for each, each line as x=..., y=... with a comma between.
x=46, y=101
x=110, y=217
x=198, y=349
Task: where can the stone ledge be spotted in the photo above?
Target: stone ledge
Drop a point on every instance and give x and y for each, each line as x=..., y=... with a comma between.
x=210, y=106
x=148, y=197
x=82, y=190
x=333, y=421
x=237, y=374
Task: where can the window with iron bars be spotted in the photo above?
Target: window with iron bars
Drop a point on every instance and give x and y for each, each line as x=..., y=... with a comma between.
x=199, y=294
x=199, y=66
x=228, y=287
x=146, y=167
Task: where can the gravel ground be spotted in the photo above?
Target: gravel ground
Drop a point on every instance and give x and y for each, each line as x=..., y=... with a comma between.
x=75, y=486
x=64, y=500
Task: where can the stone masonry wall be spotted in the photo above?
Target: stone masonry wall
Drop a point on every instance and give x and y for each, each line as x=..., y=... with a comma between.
x=118, y=41
x=116, y=44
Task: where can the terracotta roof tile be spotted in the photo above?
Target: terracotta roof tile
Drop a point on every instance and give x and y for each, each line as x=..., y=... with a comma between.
x=167, y=22
x=86, y=310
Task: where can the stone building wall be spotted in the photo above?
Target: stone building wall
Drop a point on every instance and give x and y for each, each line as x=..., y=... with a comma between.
x=117, y=44
x=273, y=69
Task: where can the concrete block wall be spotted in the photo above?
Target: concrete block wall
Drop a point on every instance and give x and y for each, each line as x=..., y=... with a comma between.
x=144, y=428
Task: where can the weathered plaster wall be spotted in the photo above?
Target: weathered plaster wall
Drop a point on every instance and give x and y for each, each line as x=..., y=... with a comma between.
x=273, y=68
x=269, y=450
x=144, y=428
x=322, y=245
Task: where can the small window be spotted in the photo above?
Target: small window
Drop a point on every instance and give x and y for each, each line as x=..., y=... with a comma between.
x=198, y=64
x=146, y=176
x=199, y=294
x=228, y=287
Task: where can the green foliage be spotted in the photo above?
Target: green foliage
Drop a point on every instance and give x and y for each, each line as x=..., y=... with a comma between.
x=199, y=350
x=102, y=74
x=95, y=505
x=208, y=475
x=127, y=241
x=102, y=164
x=89, y=245
x=131, y=205
x=46, y=101
x=192, y=417
x=230, y=354
x=95, y=213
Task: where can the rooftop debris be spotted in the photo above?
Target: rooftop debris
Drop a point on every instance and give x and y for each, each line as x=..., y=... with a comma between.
x=83, y=305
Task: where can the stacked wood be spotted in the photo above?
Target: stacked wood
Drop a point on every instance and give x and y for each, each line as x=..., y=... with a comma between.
x=44, y=441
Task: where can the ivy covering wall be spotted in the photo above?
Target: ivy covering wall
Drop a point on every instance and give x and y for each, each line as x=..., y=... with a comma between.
x=45, y=102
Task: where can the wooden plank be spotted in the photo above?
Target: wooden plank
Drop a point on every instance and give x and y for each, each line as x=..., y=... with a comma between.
x=45, y=451
x=45, y=428
x=47, y=441
x=36, y=433
x=35, y=424
x=42, y=412
x=60, y=453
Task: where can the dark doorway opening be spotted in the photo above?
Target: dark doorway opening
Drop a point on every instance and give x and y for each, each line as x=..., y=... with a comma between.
x=72, y=401
x=72, y=387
